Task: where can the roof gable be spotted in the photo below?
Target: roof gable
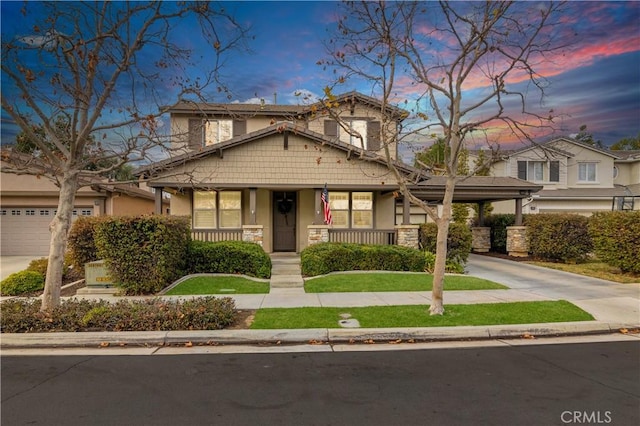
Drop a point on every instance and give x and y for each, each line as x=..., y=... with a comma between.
x=551, y=146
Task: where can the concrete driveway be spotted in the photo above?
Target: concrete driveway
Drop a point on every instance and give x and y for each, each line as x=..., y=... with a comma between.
x=11, y=264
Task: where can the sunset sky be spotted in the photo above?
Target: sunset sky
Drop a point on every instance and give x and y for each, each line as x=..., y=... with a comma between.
x=595, y=82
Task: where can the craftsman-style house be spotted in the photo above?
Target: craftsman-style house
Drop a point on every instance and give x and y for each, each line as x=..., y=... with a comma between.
x=257, y=173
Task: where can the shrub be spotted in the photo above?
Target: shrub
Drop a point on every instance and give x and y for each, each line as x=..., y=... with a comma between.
x=559, y=237
x=69, y=273
x=322, y=258
x=143, y=254
x=498, y=224
x=616, y=238
x=81, y=241
x=229, y=257
x=23, y=282
x=204, y=313
x=451, y=265
x=458, y=241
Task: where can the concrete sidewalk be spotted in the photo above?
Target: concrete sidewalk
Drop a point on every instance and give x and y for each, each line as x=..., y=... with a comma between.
x=614, y=307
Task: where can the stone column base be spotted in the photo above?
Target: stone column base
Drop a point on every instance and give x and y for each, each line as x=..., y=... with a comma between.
x=517, y=241
x=408, y=236
x=253, y=234
x=317, y=234
x=480, y=239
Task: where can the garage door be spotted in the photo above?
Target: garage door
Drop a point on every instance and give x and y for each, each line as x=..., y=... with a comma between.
x=25, y=230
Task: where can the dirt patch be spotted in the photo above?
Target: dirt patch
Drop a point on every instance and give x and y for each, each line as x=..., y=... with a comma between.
x=244, y=319
x=507, y=257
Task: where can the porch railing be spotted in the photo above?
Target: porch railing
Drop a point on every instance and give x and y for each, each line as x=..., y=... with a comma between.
x=216, y=234
x=363, y=236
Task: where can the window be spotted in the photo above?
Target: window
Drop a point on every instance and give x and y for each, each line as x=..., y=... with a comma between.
x=369, y=130
x=86, y=212
x=339, y=202
x=213, y=209
x=3, y=212
x=44, y=212
x=217, y=131
x=362, y=206
x=586, y=172
x=536, y=171
x=230, y=209
x=30, y=212
x=351, y=209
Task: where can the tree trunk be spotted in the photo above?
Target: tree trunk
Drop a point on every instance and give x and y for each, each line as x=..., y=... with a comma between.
x=437, y=299
x=59, y=228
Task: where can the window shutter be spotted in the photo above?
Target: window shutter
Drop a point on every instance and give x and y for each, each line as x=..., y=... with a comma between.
x=331, y=128
x=239, y=127
x=554, y=171
x=522, y=170
x=373, y=135
x=195, y=133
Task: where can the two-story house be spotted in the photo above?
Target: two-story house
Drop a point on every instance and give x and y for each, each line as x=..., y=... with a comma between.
x=258, y=172
x=576, y=177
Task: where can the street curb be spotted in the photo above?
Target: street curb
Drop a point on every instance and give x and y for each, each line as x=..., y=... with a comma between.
x=306, y=336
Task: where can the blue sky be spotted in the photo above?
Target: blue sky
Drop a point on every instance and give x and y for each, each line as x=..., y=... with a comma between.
x=596, y=83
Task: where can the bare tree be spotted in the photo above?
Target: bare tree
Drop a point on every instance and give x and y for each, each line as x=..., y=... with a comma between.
x=438, y=53
x=103, y=68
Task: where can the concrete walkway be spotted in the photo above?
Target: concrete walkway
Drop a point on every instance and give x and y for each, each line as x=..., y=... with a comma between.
x=614, y=307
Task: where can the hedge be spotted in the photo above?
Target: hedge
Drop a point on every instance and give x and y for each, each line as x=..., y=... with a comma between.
x=23, y=282
x=559, y=237
x=458, y=241
x=202, y=313
x=143, y=254
x=322, y=258
x=81, y=244
x=229, y=257
x=498, y=224
x=616, y=239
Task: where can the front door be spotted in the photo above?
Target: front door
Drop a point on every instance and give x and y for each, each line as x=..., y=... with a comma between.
x=284, y=221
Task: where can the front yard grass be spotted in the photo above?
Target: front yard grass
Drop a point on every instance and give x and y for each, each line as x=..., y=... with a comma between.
x=372, y=282
x=218, y=285
x=418, y=315
x=594, y=269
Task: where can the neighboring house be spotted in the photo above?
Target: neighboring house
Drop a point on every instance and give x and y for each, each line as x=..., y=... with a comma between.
x=576, y=177
x=28, y=204
x=257, y=172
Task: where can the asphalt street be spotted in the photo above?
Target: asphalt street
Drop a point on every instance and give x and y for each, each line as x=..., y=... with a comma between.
x=507, y=385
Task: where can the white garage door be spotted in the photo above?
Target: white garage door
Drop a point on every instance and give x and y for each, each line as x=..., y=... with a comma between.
x=25, y=230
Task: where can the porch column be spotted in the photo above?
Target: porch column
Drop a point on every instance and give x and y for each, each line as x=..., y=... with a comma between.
x=253, y=234
x=158, y=205
x=517, y=241
x=317, y=234
x=319, y=216
x=406, y=211
x=518, y=212
x=252, y=206
x=480, y=239
x=480, y=213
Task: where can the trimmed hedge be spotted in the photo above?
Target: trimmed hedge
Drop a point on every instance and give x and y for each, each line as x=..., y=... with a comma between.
x=202, y=313
x=559, y=237
x=322, y=258
x=23, y=282
x=616, y=239
x=81, y=245
x=145, y=253
x=498, y=224
x=229, y=257
x=458, y=241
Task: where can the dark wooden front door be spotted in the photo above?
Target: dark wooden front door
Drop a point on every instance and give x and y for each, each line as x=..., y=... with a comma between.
x=284, y=221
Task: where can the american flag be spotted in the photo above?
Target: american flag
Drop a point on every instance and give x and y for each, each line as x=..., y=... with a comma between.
x=328, y=220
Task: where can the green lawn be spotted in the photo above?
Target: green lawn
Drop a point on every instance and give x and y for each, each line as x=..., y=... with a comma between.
x=371, y=282
x=418, y=315
x=218, y=285
x=593, y=268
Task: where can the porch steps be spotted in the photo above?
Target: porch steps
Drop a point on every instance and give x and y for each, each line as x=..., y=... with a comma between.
x=285, y=271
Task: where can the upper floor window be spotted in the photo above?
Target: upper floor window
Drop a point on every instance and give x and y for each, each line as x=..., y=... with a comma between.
x=353, y=209
x=361, y=133
x=213, y=131
x=586, y=172
x=539, y=171
x=217, y=209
